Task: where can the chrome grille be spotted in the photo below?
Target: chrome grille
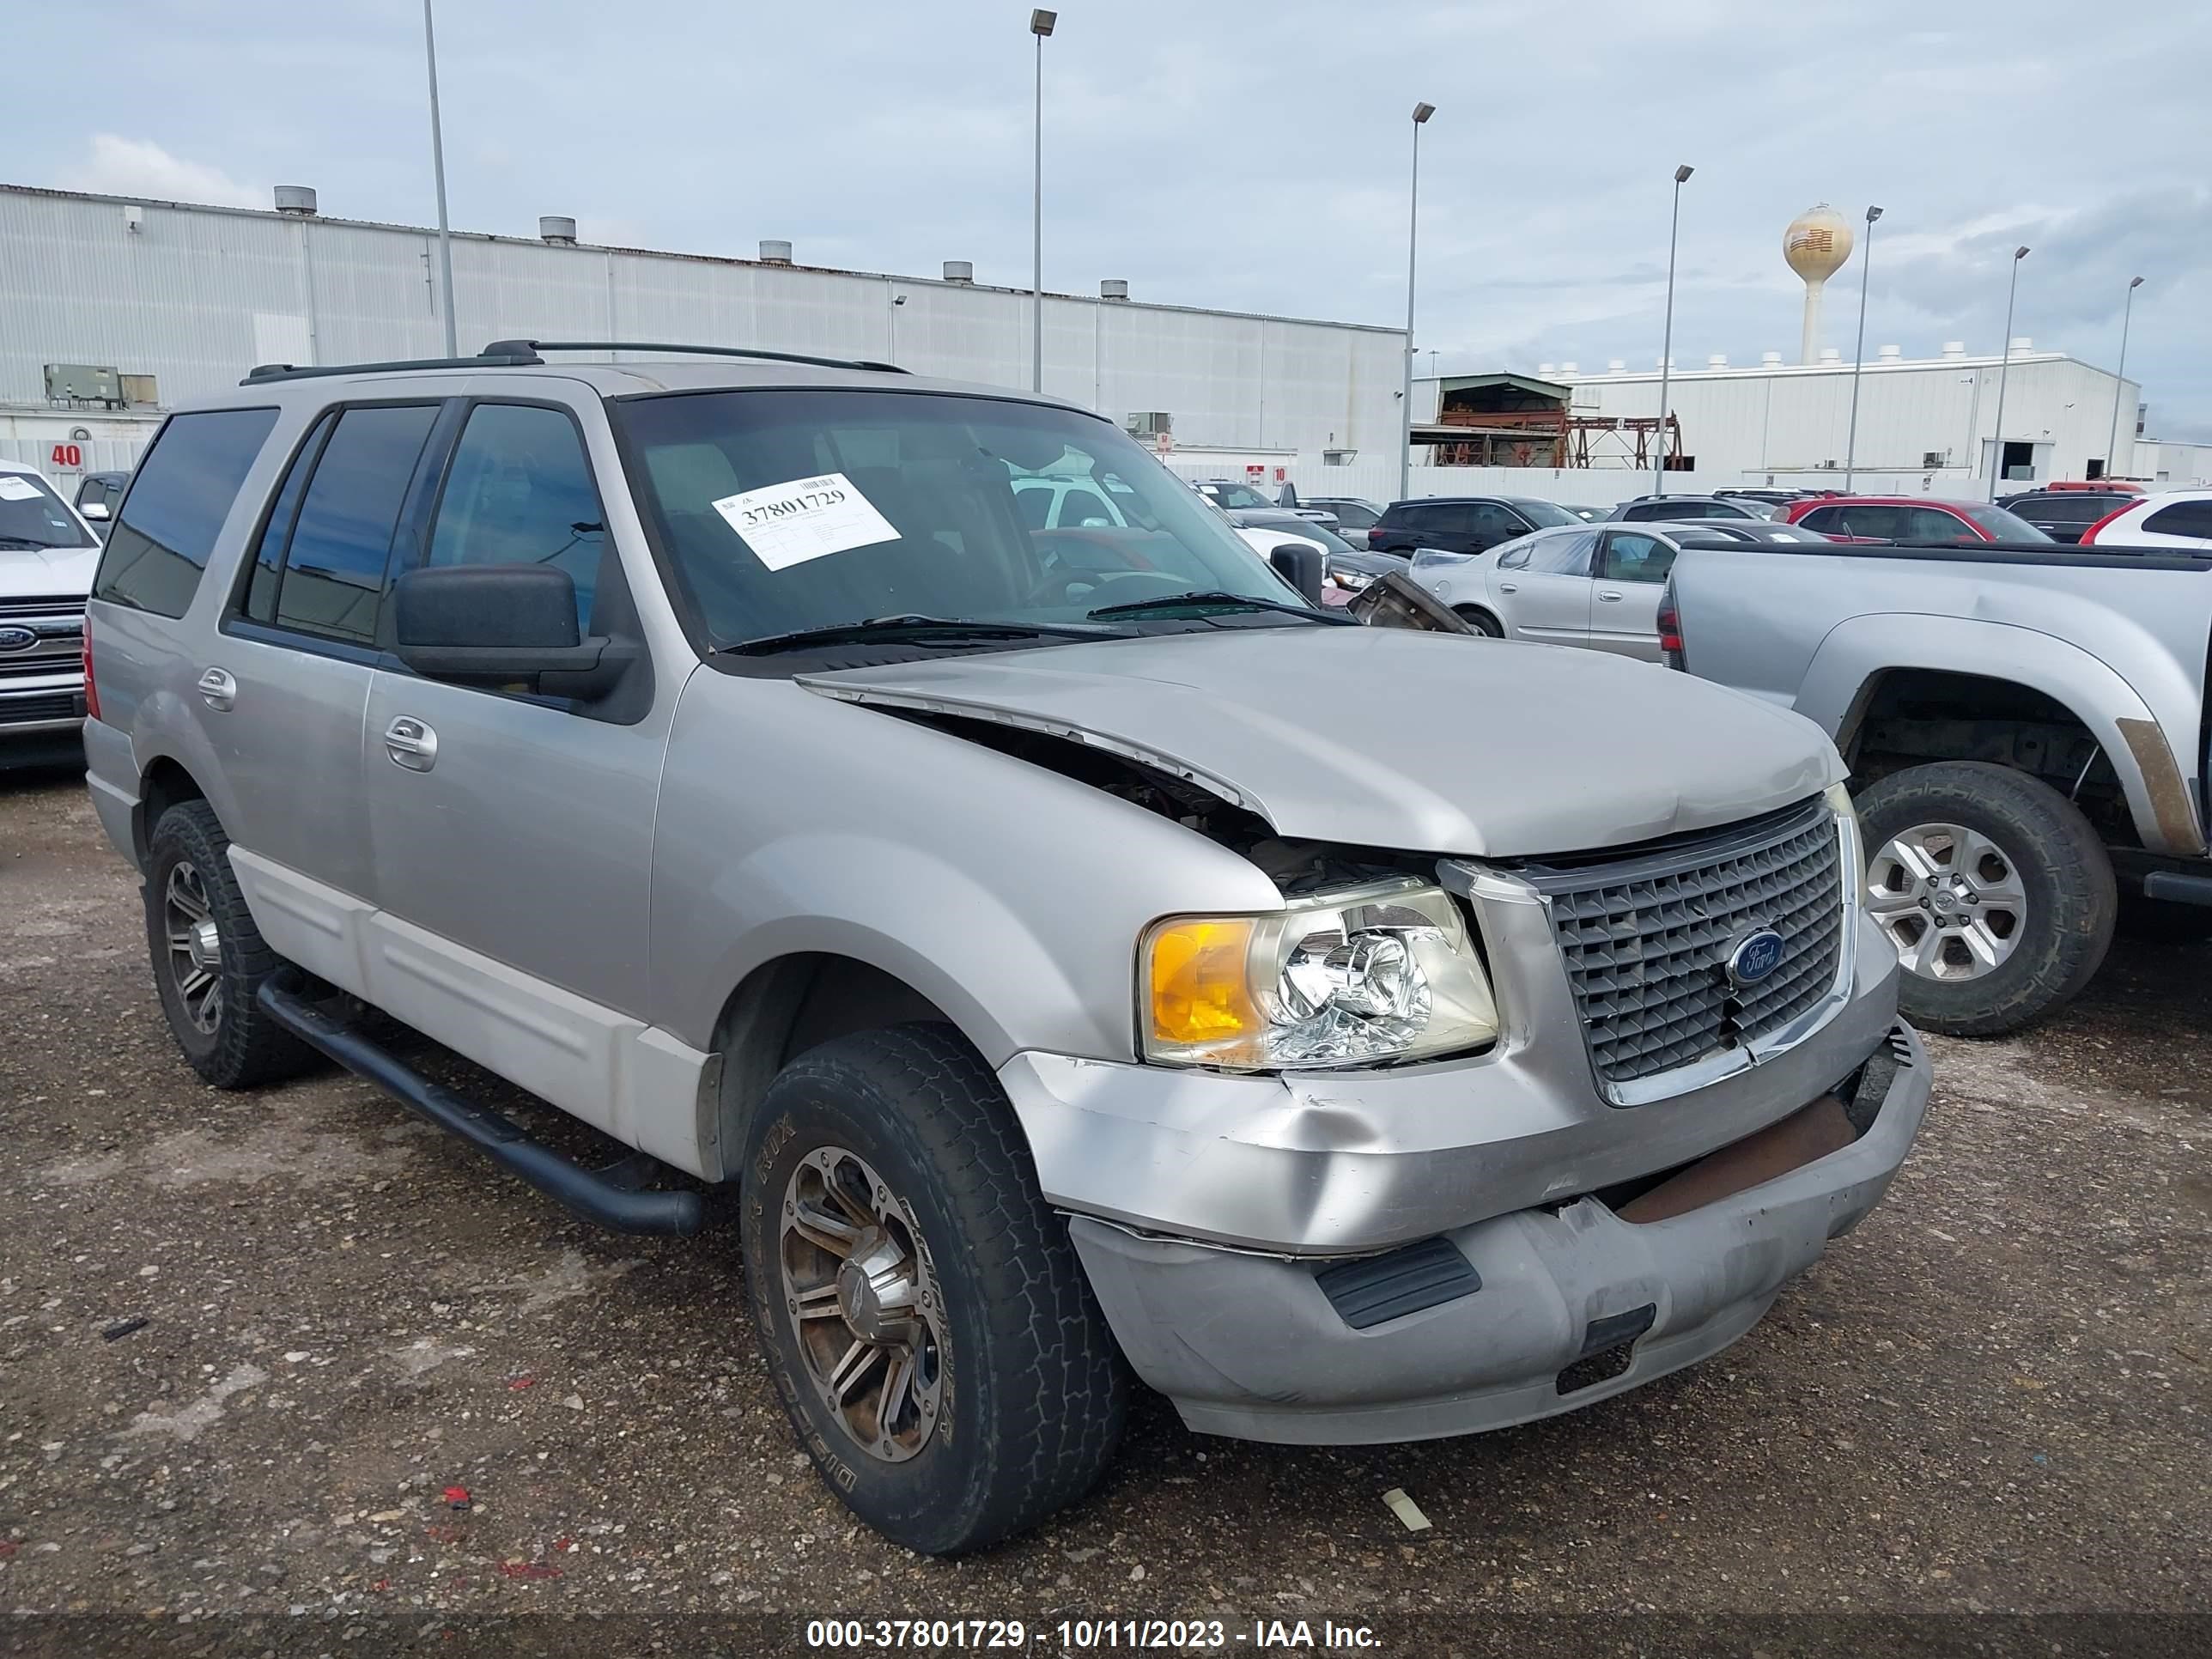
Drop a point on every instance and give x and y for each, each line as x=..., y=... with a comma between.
x=1645, y=939
x=60, y=605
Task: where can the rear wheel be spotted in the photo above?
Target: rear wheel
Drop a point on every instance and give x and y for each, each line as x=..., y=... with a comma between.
x=1994, y=891
x=929, y=1329
x=209, y=958
x=1480, y=620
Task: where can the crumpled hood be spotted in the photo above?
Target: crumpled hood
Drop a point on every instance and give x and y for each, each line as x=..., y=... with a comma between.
x=41, y=573
x=1395, y=738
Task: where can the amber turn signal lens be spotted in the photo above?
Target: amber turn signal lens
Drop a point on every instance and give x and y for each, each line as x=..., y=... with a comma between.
x=1200, y=980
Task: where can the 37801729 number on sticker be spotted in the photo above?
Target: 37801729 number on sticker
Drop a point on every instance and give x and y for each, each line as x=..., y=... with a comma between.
x=788, y=523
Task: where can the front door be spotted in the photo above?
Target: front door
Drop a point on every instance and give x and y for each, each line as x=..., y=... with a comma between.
x=1632, y=576
x=514, y=836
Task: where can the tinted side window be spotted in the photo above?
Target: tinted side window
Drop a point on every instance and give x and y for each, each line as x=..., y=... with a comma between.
x=178, y=498
x=1493, y=523
x=333, y=580
x=1827, y=521
x=2182, y=518
x=519, y=492
x=277, y=530
x=1928, y=523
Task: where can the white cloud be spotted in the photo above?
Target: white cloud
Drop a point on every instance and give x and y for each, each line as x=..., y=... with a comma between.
x=116, y=166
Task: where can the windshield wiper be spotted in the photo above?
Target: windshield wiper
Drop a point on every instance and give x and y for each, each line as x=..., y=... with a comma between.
x=1242, y=601
x=25, y=545
x=915, y=630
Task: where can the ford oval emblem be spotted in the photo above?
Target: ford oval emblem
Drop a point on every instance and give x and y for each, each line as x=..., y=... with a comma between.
x=17, y=639
x=1754, y=956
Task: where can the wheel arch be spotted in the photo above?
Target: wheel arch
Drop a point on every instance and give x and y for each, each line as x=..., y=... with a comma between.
x=2000, y=679
x=165, y=782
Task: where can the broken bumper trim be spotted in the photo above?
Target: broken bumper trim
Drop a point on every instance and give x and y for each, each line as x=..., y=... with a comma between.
x=1250, y=1347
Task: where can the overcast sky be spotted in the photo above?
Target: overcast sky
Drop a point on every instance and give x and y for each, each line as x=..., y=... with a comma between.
x=1244, y=155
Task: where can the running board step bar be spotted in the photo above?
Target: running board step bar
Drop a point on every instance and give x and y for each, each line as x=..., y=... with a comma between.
x=608, y=1197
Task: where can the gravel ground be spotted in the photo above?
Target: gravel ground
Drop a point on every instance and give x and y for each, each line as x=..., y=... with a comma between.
x=1979, y=1425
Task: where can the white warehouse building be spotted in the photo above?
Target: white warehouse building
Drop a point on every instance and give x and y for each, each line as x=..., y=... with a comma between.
x=142, y=303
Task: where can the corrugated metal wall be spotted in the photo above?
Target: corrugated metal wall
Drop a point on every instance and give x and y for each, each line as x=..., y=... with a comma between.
x=196, y=296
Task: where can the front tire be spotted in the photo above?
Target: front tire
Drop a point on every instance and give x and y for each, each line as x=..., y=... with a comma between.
x=1994, y=888
x=209, y=958
x=921, y=1308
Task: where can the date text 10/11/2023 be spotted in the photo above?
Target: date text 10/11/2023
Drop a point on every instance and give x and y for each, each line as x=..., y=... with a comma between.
x=1168, y=1635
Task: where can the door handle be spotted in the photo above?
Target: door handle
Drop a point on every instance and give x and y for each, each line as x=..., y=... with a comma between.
x=218, y=690
x=1609, y=597
x=1508, y=587
x=411, y=743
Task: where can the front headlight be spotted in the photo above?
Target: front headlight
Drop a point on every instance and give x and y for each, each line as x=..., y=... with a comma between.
x=1379, y=973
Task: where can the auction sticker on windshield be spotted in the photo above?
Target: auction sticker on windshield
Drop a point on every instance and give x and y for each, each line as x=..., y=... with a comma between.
x=13, y=489
x=788, y=523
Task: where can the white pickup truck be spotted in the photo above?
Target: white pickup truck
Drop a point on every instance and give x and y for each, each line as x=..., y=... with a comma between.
x=47, y=553
x=2026, y=729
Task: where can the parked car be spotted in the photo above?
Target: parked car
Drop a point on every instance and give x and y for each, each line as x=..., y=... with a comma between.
x=1075, y=503
x=2025, y=737
x=1909, y=518
x=1354, y=517
x=1674, y=509
x=1598, y=587
x=47, y=558
x=1462, y=524
x=1233, y=497
x=2174, y=518
x=722, y=763
x=2064, y=514
x=98, y=495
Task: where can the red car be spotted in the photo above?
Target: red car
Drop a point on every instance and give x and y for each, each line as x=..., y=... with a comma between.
x=1909, y=518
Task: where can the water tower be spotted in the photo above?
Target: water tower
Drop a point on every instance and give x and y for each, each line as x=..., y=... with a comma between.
x=1816, y=245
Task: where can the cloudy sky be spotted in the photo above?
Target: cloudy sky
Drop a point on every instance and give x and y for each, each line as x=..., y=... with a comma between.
x=1246, y=154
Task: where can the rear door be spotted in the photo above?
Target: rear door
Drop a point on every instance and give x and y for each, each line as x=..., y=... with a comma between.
x=1488, y=524
x=1632, y=566
x=1548, y=598
x=282, y=694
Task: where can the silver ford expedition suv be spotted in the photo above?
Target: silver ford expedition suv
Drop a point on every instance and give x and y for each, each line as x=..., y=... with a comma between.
x=709, y=747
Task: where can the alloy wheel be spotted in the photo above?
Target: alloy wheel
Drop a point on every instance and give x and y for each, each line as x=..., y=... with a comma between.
x=195, y=946
x=863, y=1298
x=1950, y=900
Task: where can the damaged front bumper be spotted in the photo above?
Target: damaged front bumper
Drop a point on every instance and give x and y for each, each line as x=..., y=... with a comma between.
x=1436, y=1249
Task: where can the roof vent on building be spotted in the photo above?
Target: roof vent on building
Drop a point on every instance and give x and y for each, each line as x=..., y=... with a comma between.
x=1771, y=359
x=1891, y=353
x=1570, y=369
x=1663, y=362
x=1114, y=288
x=1545, y=370
x=1954, y=348
x=297, y=199
x=2022, y=342
x=775, y=253
x=1718, y=360
x=555, y=228
x=1830, y=354
x=959, y=271
x=1616, y=366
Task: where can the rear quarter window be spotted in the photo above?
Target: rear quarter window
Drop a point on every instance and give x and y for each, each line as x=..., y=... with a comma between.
x=2182, y=518
x=179, y=496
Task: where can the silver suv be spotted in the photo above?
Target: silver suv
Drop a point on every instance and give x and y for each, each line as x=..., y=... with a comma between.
x=714, y=748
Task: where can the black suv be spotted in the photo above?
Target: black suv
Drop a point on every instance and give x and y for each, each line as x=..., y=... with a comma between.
x=2064, y=514
x=1462, y=524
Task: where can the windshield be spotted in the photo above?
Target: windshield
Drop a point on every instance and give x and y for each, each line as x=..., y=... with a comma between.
x=2005, y=527
x=32, y=514
x=782, y=511
x=1544, y=515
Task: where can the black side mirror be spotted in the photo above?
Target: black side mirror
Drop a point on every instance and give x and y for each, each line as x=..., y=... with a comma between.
x=499, y=625
x=1301, y=565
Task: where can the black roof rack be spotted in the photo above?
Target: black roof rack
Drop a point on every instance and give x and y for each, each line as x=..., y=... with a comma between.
x=523, y=354
x=519, y=347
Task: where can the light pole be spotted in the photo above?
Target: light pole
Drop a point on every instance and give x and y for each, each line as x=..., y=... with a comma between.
x=1421, y=113
x=1041, y=24
x=1858, y=354
x=1667, y=344
x=2004, y=366
x=438, y=165
x=2120, y=379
